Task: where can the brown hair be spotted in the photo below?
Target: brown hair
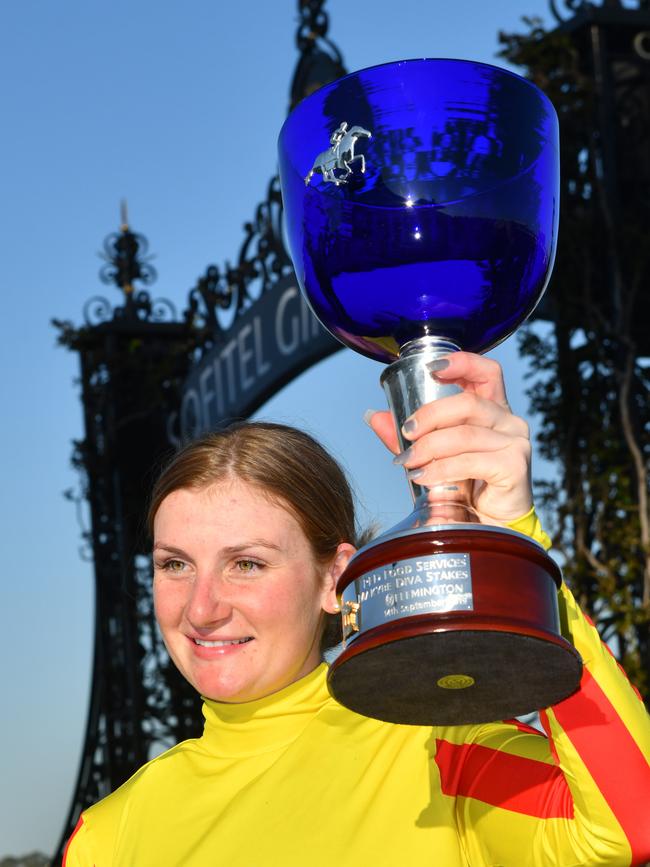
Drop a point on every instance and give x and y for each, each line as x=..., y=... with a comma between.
x=285, y=463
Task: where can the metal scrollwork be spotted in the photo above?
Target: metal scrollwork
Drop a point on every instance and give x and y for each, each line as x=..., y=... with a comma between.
x=320, y=60
x=97, y=310
x=126, y=262
x=140, y=306
x=213, y=291
x=78, y=497
x=572, y=8
x=126, y=258
x=263, y=254
x=162, y=310
x=262, y=260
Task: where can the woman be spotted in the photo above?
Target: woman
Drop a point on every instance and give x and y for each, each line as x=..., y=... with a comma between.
x=252, y=528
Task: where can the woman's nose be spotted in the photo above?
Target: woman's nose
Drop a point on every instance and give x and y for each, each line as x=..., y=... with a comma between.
x=207, y=604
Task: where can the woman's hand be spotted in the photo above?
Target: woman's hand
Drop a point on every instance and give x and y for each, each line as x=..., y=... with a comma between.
x=471, y=435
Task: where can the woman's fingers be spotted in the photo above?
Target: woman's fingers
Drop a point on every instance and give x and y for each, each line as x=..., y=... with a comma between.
x=465, y=408
x=462, y=439
x=382, y=423
x=474, y=373
x=472, y=435
x=505, y=467
x=502, y=492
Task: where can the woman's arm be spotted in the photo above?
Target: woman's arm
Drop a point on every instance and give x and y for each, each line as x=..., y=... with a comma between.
x=581, y=795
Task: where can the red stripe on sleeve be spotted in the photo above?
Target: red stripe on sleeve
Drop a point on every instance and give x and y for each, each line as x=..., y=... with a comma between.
x=67, y=845
x=613, y=759
x=503, y=780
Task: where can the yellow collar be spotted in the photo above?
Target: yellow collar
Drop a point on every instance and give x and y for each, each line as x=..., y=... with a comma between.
x=269, y=723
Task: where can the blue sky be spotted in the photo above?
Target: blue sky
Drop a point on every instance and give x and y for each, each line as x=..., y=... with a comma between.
x=176, y=107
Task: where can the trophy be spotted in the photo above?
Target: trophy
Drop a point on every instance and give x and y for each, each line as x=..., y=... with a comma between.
x=421, y=204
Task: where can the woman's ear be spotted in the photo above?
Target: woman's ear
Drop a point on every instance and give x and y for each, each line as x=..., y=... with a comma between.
x=335, y=569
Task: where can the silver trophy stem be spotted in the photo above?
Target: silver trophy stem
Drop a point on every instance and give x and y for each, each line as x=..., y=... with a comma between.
x=408, y=384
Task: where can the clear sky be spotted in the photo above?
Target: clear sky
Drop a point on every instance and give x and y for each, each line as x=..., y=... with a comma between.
x=176, y=107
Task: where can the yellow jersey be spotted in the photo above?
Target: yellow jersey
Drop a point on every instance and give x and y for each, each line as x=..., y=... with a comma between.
x=295, y=779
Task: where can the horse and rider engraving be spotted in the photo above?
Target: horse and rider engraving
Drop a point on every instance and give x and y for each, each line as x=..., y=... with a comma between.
x=340, y=155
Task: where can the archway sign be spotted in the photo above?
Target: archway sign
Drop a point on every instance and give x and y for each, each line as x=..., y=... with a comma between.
x=272, y=342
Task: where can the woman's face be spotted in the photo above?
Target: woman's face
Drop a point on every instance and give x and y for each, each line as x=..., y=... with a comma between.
x=239, y=596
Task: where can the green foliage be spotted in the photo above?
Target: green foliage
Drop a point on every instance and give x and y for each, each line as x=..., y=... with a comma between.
x=590, y=385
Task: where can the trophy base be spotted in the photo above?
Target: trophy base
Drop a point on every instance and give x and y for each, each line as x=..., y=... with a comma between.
x=492, y=650
x=512, y=674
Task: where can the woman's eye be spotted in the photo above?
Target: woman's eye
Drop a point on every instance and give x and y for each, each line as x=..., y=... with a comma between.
x=173, y=566
x=247, y=566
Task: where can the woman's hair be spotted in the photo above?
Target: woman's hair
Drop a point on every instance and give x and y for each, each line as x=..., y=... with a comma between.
x=287, y=465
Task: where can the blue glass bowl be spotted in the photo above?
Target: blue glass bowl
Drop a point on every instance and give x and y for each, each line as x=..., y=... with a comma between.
x=450, y=231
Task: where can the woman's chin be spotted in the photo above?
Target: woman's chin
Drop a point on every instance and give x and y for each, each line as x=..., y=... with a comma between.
x=228, y=695
x=239, y=687
x=229, y=683
x=225, y=688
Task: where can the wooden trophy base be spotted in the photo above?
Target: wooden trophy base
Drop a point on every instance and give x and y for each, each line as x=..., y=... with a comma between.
x=497, y=653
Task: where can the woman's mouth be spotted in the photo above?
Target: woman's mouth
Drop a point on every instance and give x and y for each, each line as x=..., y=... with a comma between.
x=222, y=643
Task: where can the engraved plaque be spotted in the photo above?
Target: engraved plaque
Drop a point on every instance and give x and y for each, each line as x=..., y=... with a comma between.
x=420, y=585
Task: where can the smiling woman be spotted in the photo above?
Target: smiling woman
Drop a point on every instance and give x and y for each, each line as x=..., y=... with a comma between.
x=252, y=528
x=239, y=596
x=283, y=467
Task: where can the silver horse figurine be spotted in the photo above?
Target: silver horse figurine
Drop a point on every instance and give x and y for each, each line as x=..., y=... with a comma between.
x=340, y=155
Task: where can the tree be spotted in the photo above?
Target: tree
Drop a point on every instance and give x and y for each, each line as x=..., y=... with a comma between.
x=590, y=372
